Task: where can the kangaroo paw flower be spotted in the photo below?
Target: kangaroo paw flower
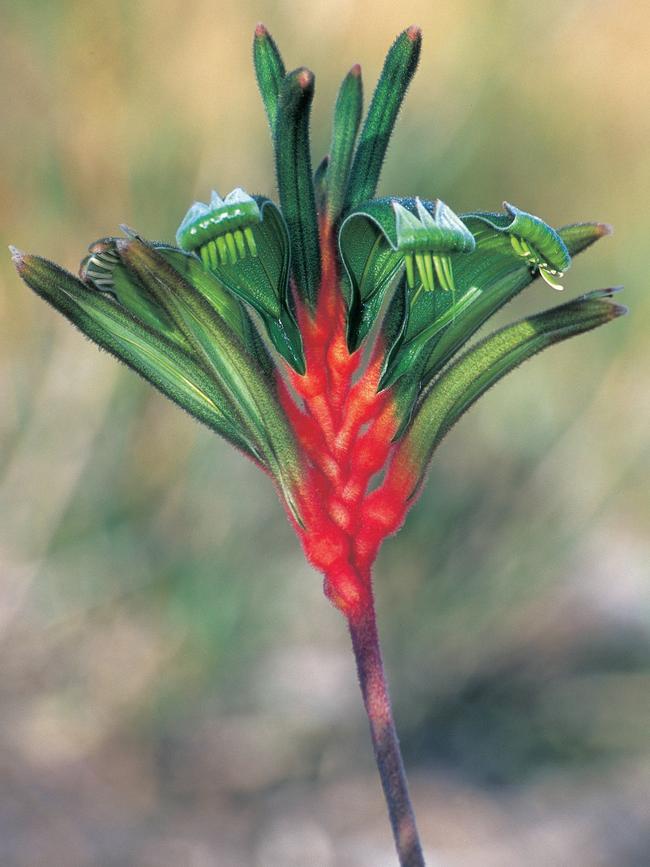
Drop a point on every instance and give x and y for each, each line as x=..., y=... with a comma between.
x=255, y=322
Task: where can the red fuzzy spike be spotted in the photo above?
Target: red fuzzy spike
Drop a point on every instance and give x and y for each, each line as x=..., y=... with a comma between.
x=345, y=431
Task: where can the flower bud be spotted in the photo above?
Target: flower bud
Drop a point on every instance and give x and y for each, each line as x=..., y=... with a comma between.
x=243, y=241
x=530, y=239
x=385, y=238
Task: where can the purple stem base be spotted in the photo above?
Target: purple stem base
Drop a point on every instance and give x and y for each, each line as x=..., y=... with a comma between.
x=372, y=679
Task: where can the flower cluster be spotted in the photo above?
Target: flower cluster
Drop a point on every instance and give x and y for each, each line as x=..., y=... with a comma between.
x=325, y=336
x=257, y=322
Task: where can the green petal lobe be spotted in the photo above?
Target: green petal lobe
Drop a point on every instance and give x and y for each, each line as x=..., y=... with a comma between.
x=398, y=70
x=483, y=365
x=295, y=182
x=243, y=241
x=579, y=236
x=388, y=238
x=225, y=358
x=162, y=363
x=269, y=69
x=347, y=117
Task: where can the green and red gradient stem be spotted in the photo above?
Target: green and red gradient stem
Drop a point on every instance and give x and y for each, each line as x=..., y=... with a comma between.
x=345, y=431
x=370, y=668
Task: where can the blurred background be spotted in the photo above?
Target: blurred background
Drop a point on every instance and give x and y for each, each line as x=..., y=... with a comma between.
x=174, y=689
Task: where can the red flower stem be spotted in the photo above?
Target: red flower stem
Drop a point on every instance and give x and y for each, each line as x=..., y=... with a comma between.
x=372, y=679
x=345, y=430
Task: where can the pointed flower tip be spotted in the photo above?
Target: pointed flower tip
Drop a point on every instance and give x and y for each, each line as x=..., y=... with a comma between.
x=414, y=33
x=17, y=256
x=605, y=229
x=619, y=310
x=613, y=310
x=260, y=30
x=133, y=245
x=128, y=231
x=356, y=70
x=304, y=77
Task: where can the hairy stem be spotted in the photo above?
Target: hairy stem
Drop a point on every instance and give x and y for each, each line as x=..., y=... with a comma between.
x=372, y=679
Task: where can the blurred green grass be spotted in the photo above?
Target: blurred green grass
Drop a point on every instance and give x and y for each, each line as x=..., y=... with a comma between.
x=150, y=579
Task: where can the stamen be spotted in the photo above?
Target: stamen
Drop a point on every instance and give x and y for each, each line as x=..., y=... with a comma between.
x=440, y=271
x=232, y=249
x=449, y=274
x=422, y=271
x=252, y=246
x=546, y=276
x=519, y=246
x=239, y=241
x=416, y=295
x=534, y=260
x=429, y=269
x=223, y=250
x=426, y=241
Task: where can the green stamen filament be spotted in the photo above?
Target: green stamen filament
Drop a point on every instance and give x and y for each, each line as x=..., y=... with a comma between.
x=223, y=250
x=440, y=273
x=252, y=246
x=232, y=249
x=416, y=295
x=239, y=241
x=432, y=270
x=410, y=272
x=522, y=249
x=229, y=248
x=428, y=264
x=422, y=271
x=448, y=272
